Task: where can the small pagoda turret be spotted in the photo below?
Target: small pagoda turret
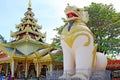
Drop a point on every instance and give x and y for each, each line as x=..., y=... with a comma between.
x=28, y=52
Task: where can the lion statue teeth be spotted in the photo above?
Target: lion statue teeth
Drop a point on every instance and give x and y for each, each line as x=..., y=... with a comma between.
x=79, y=51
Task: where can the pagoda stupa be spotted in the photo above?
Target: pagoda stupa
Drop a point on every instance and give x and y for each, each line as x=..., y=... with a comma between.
x=27, y=54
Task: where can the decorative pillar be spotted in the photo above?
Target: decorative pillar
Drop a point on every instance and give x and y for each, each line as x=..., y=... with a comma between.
x=40, y=67
x=35, y=61
x=6, y=69
x=26, y=69
x=0, y=67
x=51, y=69
x=16, y=65
x=12, y=68
x=37, y=69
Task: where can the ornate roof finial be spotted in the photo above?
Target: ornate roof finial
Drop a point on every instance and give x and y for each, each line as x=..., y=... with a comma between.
x=29, y=4
x=68, y=4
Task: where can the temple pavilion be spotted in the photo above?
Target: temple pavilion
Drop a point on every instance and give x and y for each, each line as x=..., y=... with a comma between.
x=27, y=54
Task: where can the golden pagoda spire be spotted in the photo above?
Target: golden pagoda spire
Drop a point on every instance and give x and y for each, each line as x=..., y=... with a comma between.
x=29, y=4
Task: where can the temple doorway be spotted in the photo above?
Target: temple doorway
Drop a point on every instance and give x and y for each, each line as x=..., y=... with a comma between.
x=43, y=71
x=5, y=69
x=31, y=71
x=20, y=73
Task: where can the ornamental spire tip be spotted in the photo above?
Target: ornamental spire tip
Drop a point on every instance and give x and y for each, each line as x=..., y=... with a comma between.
x=68, y=4
x=29, y=4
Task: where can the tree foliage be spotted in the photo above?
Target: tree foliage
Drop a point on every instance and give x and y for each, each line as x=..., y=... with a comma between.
x=56, y=40
x=104, y=22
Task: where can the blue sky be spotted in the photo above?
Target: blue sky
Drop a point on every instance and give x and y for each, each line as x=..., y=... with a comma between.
x=48, y=13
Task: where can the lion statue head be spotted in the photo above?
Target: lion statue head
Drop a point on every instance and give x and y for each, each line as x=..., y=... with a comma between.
x=75, y=13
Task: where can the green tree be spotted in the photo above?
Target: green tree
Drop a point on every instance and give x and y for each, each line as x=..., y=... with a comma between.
x=104, y=22
x=56, y=40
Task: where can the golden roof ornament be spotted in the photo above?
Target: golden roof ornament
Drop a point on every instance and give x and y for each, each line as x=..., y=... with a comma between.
x=68, y=4
x=29, y=4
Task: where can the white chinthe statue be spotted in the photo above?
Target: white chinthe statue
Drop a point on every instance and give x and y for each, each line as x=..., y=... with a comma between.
x=79, y=50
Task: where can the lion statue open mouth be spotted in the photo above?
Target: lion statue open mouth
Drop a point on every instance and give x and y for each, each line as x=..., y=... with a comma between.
x=79, y=52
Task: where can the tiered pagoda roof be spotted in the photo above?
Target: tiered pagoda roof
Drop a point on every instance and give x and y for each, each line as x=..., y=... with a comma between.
x=28, y=28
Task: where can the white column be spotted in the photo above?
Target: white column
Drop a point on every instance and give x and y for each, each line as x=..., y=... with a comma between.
x=26, y=69
x=12, y=68
x=6, y=69
x=51, y=69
